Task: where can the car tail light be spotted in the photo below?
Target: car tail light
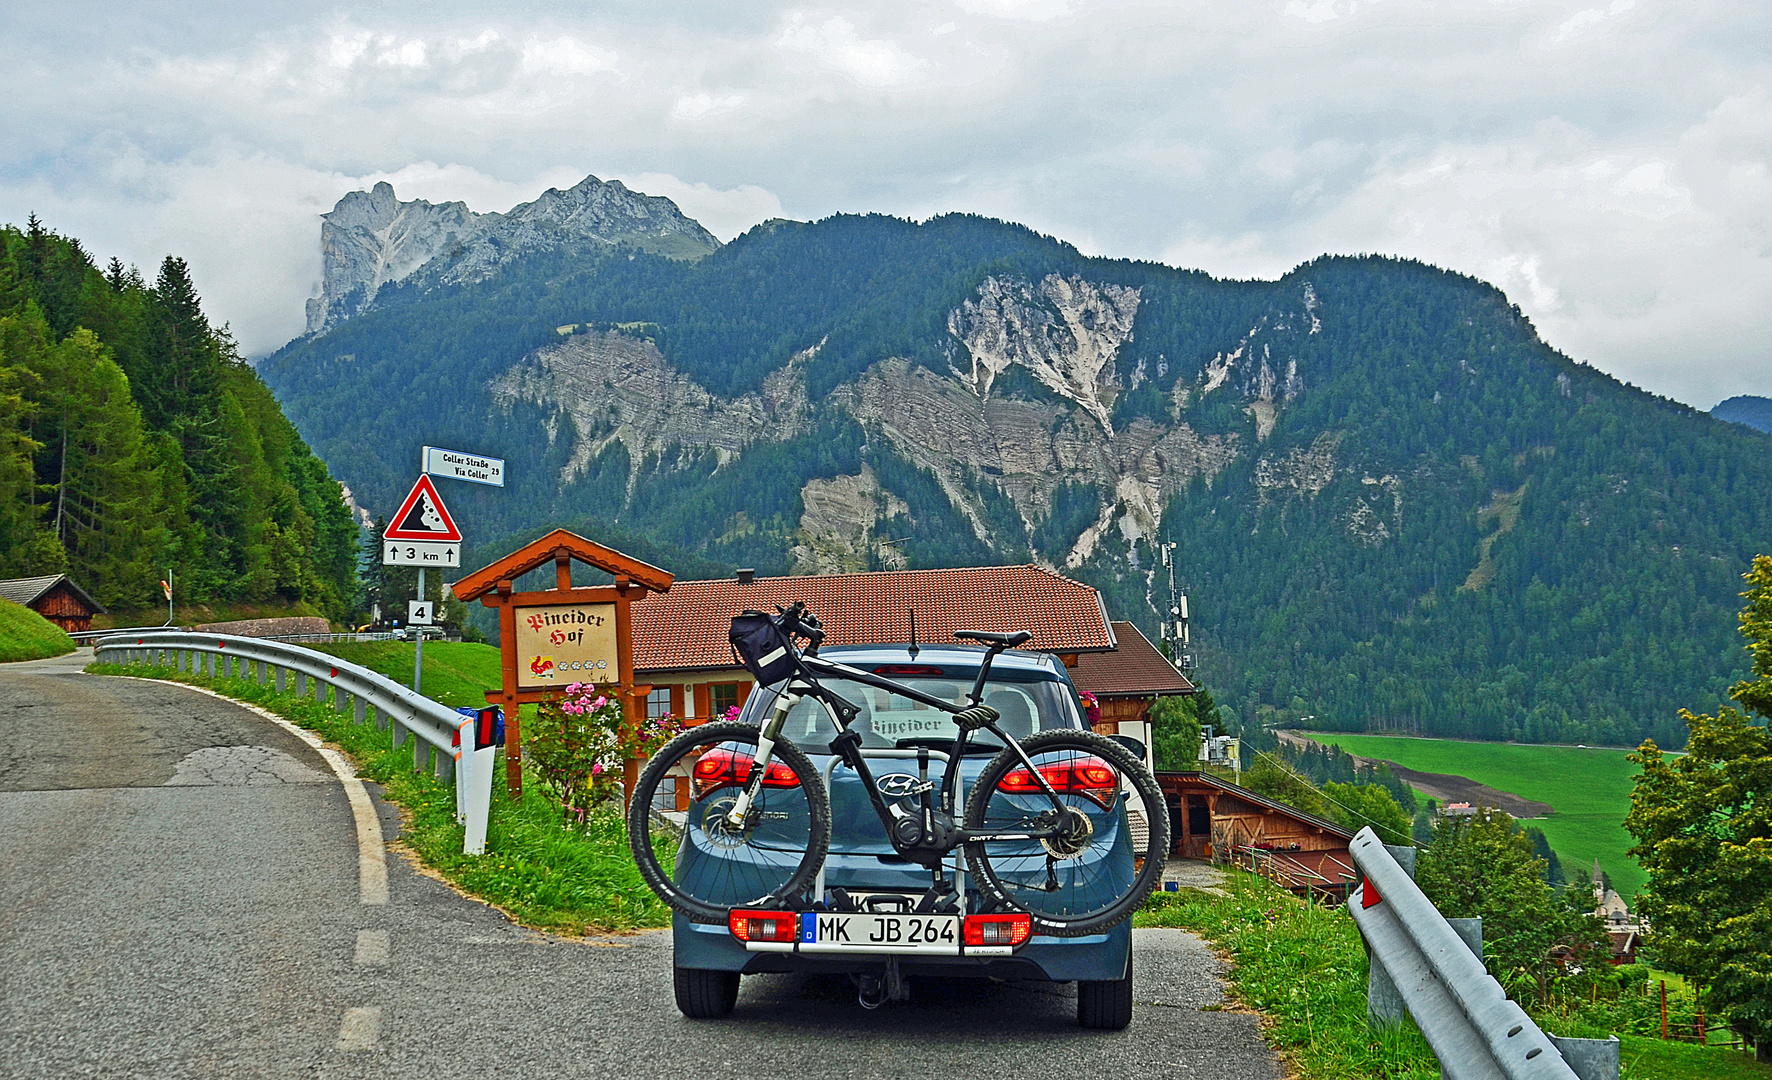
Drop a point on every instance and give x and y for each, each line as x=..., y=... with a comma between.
x=761, y=925
x=720, y=767
x=1088, y=776
x=909, y=671
x=997, y=929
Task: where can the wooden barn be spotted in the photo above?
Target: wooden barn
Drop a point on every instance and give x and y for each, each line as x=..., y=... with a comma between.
x=56, y=598
x=1212, y=818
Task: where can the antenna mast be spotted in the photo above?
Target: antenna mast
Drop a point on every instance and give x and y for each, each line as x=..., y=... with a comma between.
x=1175, y=622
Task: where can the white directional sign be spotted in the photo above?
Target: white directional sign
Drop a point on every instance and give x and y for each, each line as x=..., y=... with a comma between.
x=418, y=612
x=419, y=553
x=474, y=468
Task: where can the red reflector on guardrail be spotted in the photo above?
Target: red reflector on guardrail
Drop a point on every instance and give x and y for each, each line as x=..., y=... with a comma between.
x=1369, y=896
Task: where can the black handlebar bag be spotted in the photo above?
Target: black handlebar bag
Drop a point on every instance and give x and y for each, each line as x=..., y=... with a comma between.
x=763, y=647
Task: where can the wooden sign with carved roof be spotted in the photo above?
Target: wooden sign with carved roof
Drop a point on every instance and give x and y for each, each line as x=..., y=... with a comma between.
x=551, y=638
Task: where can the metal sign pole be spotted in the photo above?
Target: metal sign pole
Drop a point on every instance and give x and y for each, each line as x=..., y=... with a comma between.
x=418, y=647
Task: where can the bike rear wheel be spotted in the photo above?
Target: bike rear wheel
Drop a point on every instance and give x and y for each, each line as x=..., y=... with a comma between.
x=1109, y=855
x=693, y=858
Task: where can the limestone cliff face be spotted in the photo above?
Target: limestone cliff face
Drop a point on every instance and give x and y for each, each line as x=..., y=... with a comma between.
x=1065, y=331
x=372, y=238
x=610, y=387
x=616, y=388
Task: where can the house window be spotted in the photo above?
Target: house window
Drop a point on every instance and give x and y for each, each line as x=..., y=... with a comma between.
x=658, y=703
x=724, y=696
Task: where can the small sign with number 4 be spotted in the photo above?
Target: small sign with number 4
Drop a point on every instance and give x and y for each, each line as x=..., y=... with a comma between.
x=419, y=612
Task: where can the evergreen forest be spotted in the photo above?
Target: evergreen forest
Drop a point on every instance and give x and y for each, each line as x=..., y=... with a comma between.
x=1426, y=518
x=134, y=440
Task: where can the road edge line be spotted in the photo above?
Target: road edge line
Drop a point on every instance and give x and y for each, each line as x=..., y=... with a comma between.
x=372, y=865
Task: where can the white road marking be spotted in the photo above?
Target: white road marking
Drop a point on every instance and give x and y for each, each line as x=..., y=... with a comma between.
x=372, y=865
x=372, y=948
x=360, y=1029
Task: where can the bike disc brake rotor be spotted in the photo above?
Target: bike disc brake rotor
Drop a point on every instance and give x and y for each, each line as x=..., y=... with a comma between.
x=1073, y=836
x=718, y=829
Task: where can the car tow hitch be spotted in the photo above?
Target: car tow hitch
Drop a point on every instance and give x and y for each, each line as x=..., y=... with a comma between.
x=874, y=991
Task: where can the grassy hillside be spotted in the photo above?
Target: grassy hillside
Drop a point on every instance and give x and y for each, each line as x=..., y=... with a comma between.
x=26, y=635
x=458, y=674
x=1589, y=787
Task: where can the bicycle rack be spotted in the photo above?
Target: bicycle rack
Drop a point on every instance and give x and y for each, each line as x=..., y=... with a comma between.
x=959, y=867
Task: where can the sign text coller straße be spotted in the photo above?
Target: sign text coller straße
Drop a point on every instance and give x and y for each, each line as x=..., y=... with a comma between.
x=560, y=644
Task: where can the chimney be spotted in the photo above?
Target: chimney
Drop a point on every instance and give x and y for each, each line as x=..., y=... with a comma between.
x=746, y=574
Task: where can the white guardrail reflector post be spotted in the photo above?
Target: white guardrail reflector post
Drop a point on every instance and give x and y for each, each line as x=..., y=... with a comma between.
x=438, y=725
x=1475, y=1031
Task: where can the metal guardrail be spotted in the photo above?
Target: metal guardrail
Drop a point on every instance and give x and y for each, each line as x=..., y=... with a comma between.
x=86, y=636
x=369, y=694
x=1466, y=1017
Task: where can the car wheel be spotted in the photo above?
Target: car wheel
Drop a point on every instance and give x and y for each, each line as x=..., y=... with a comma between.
x=1106, y=1005
x=704, y=994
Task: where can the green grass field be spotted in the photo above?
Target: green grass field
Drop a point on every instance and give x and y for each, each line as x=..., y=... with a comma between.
x=26, y=635
x=458, y=674
x=1590, y=789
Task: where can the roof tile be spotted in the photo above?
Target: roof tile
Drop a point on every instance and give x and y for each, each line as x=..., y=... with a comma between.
x=686, y=628
x=1135, y=669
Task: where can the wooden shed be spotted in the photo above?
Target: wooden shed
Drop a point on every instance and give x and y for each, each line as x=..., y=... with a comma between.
x=1212, y=818
x=56, y=598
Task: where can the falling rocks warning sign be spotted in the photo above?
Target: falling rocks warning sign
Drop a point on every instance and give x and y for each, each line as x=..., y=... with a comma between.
x=423, y=517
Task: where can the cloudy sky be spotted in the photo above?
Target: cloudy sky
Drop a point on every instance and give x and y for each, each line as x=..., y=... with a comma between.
x=1604, y=161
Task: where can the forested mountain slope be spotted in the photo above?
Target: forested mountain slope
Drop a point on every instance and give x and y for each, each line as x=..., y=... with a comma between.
x=134, y=439
x=1755, y=412
x=1396, y=507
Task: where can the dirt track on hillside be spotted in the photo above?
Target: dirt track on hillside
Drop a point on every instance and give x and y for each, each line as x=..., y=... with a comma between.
x=1448, y=788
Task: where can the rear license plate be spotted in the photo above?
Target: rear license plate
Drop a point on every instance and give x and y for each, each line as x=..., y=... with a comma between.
x=851, y=932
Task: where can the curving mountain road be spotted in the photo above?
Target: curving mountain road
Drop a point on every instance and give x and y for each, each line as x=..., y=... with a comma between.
x=183, y=893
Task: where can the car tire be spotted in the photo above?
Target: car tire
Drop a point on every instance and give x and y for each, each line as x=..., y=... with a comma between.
x=1106, y=1005
x=704, y=994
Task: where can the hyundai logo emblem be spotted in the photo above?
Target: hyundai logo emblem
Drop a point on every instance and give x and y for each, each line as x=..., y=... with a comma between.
x=896, y=785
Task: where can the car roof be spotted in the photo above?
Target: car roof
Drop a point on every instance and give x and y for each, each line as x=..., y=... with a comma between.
x=1014, y=662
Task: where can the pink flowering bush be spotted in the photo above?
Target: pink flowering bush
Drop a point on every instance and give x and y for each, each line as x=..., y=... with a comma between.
x=577, y=744
x=1091, y=708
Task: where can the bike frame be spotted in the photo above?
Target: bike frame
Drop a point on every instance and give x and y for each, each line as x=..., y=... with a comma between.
x=847, y=746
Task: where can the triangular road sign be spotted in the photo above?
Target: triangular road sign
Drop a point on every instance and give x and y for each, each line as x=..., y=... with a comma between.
x=423, y=517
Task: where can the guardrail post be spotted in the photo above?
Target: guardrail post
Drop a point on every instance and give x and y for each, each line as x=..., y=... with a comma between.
x=421, y=754
x=357, y=702
x=301, y=684
x=1592, y=1059
x=1462, y=1012
x=282, y=676
x=209, y=665
x=479, y=801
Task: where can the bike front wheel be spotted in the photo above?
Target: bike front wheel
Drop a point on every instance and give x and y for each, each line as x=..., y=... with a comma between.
x=690, y=852
x=1107, y=837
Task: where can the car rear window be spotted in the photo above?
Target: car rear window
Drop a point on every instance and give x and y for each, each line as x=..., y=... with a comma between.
x=887, y=718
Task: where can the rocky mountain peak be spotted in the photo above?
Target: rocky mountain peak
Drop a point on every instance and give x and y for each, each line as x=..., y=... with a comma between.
x=371, y=238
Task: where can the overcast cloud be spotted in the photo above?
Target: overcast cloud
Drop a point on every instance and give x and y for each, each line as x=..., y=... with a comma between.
x=1603, y=161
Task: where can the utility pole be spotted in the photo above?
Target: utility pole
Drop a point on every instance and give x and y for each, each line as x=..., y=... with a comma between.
x=418, y=644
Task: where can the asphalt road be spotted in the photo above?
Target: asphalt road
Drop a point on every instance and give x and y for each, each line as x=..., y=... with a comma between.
x=180, y=896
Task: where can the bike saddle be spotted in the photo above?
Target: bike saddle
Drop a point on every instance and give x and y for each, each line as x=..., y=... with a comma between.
x=1008, y=641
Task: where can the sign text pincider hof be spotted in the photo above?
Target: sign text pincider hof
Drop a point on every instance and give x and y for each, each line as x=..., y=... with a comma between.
x=558, y=644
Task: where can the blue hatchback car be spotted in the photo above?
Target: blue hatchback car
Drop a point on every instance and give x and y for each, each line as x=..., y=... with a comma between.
x=1031, y=693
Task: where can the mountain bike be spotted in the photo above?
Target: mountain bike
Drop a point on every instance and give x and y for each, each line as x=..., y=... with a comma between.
x=1066, y=826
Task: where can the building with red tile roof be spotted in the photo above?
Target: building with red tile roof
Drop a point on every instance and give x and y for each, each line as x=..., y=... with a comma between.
x=1127, y=682
x=681, y=648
